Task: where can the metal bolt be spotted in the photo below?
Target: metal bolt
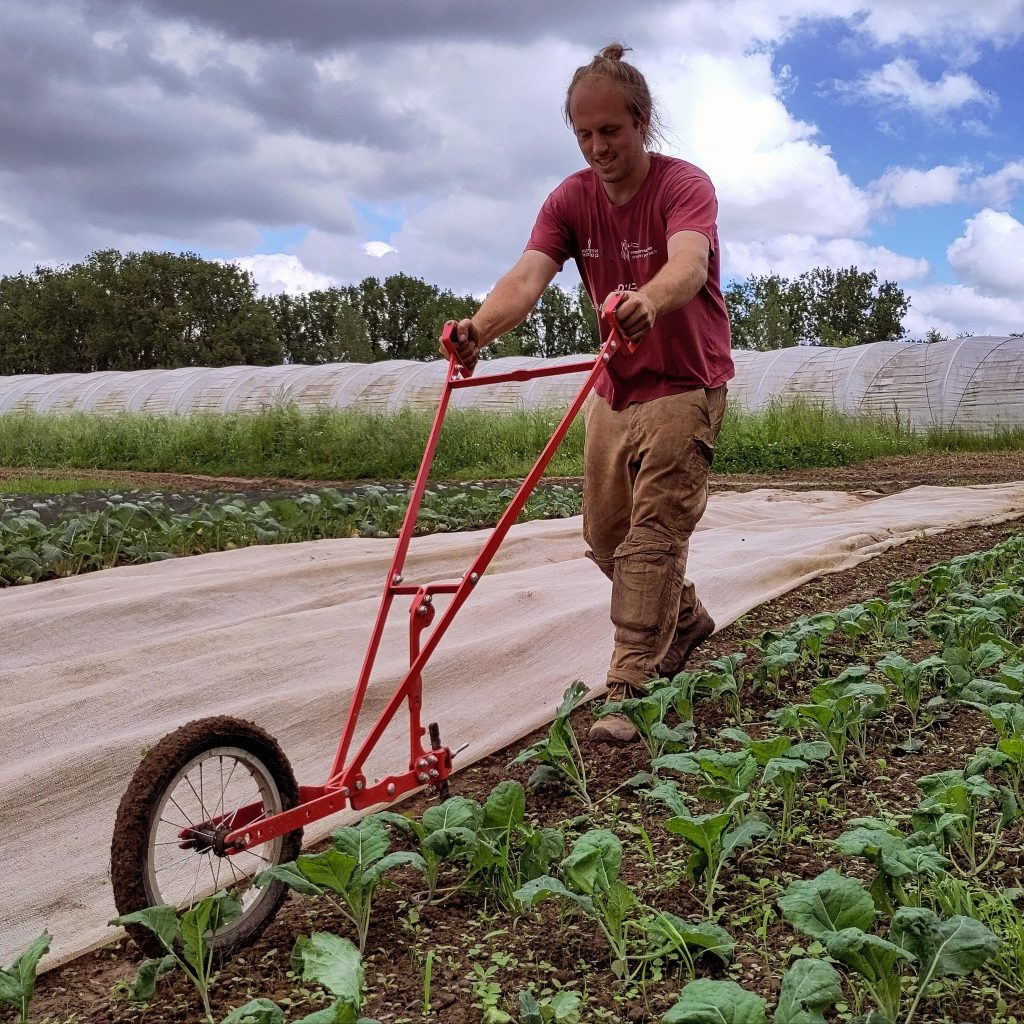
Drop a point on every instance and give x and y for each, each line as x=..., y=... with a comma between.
x=422, y=610
x=359, y=784
x=246, y=839
x=432, y=759
x=612, y=345
x=423, y=777
x=474, y=577
x=345, y=791
x=429, y=599
x=391, y=789
x=397, y=578
x=434, y=773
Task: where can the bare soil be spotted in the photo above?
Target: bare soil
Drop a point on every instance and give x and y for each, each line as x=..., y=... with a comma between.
x=547, y=949
x=886, y=475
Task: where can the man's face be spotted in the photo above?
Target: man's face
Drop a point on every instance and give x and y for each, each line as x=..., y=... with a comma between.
x=610, y=138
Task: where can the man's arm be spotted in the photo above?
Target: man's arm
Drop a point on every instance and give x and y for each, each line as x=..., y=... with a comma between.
x=673, y=286
x=507, y=305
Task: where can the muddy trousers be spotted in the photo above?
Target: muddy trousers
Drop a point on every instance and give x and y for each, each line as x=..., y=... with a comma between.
x=645, y=488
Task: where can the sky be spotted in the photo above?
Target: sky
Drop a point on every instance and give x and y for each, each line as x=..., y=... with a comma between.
x=317, y=142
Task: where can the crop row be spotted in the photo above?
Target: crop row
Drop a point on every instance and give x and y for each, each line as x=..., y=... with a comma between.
x=899, y=907
x=131, y=531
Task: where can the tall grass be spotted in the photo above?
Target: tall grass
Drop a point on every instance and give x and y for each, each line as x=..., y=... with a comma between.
x=353, y=445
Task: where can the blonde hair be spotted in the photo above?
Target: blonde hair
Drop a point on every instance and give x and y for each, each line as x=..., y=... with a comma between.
x=635, y=91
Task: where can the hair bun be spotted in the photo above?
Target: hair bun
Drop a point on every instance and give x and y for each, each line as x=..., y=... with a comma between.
x=613, y=51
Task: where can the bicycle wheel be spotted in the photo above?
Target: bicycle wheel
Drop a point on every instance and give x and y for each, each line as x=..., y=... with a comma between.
x=182, y=799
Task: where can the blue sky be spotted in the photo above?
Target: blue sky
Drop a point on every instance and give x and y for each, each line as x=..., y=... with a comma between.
x=317, y=143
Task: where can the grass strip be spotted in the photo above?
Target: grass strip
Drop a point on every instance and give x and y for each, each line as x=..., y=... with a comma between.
x=353, y=445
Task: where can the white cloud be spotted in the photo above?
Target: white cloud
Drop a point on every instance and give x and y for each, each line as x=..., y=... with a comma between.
x=951, y=26
x=1000, y=187
x=900, y=83
x=952, y=309
x=791, y=255
x=990, y=254
x=907, y=187
x=280, y=272
x=378, y=249
x=770, y=174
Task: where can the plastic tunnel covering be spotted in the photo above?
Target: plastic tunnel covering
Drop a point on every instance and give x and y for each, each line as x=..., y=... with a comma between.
x=972, y=383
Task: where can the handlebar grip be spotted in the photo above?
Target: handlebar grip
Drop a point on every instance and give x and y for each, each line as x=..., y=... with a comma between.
x=448, y=337
x=608, y=312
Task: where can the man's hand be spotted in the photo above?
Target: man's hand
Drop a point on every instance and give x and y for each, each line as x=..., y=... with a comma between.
x=636, y=315
x=466, y=344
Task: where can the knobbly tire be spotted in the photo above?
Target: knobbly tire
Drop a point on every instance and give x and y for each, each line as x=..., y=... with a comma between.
x=202, y=771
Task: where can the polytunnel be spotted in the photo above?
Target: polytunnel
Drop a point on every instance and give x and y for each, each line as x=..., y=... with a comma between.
x=972, y=383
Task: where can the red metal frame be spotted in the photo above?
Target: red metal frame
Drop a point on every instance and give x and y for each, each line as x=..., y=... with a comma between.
x=347, y=785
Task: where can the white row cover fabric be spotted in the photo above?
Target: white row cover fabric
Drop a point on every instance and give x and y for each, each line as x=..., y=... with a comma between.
x=976, y=384
x=96, y=668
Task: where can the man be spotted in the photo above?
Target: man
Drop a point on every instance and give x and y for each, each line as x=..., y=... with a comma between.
x=644, y=224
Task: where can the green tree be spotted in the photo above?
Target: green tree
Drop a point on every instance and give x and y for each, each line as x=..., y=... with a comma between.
x=821, y=307
x=322, y=326
x=766, y=312
x=133, y=311
x=848, y=307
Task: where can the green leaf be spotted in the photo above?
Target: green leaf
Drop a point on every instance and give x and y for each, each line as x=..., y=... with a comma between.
x=331, y=870
x=162, y=921
x=456, y=812
x=405, y=824
x=449, y=842
x=203, y=920
x=375, y=872
x=952, y=947
x=256, y=1011
x=593, y=863
x=333, y=962
x=291, y=876
x=716, y=1002
x=365, y=842
x=19, y=981
x=504, y=808
x=539, y=889
x=809, y=987
x=144, y=983
x=871, y=956
x=745, y=833
x=826, y=904
x=666, y=933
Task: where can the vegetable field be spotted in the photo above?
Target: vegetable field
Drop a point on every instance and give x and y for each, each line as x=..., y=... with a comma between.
x=822, y=823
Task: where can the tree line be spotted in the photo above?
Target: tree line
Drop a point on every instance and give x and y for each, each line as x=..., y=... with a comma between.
x=134, y=311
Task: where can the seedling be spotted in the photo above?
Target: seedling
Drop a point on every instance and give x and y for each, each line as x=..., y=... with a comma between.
x=347, y=875
x=669, y=937
x=953, y=814
x=715, y=839
x=509, y=852
x=840, y=912
x=185, y=937
x=18, y=982
x=330, y=961
x=447, y=833
x=649, y=713
x=809, y=988
x=909, y=677
x=559, y=754
x=590, y=879
x=901, y=861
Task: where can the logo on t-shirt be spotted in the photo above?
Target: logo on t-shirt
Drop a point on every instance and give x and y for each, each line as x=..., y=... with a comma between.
x=589, y=253
x=636, y=251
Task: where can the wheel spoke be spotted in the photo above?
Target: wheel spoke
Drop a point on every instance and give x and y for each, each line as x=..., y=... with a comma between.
x=181, y=812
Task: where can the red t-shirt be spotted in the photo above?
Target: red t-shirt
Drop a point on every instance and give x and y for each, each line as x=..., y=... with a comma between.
x=623, y=247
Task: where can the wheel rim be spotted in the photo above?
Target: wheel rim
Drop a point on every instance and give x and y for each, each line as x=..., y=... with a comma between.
x=211, y=785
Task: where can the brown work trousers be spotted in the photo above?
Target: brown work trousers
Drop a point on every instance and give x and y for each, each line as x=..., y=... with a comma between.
x=645, y=488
